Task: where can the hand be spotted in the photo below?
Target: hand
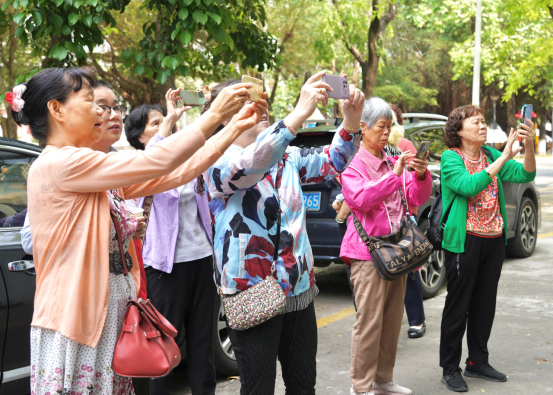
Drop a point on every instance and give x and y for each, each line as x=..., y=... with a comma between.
x=230, y=100
x=420, y=166
x=207, y=92
x=173, y=112
x=140, y=229
x=312, y=92
x=353, y=107
x=402, y=161
x=249, y=115
x=336, y=205
x=508, y=152
x=527, y=133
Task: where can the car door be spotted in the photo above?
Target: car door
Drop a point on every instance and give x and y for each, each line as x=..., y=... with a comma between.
x=17, y=269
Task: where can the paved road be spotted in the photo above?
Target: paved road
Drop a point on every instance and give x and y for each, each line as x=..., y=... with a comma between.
x=520, y=346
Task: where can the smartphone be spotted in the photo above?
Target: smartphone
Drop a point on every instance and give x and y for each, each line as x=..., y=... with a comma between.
x=526, y=113
x=256, y=91
x=340, y=86
x=423, y=149
x=192, y=98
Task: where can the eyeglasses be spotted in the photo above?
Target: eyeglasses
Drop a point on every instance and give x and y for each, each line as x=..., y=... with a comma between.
x=106, y=114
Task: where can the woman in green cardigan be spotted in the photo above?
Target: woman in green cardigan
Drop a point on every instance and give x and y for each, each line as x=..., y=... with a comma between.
x=475, y=235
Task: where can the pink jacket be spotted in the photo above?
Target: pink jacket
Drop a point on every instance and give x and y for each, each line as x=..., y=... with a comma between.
x=365, y=198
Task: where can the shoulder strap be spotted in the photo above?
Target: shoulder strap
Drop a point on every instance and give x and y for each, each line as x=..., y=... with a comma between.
x=147, y=206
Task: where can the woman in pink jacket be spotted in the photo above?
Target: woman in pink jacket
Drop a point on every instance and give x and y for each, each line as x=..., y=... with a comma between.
x=371, y=189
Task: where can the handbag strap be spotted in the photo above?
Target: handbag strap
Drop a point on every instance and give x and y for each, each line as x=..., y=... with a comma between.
x=363, y=233
x=123, y=259
x=403, y=201
x=147, y=206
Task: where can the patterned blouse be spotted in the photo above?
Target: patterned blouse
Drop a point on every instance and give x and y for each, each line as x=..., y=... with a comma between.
x=483, y=212
x=127, y=223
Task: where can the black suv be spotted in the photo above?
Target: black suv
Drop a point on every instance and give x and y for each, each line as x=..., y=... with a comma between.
x=18, y=278
x=522, y=201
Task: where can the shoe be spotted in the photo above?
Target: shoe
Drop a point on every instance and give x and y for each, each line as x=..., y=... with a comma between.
x=484, y=371
x=390, y=388
x=352, y=392
x=454, y=381
x=415, y=333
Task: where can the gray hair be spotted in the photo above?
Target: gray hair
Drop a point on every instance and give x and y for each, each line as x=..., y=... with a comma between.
x=374, y=109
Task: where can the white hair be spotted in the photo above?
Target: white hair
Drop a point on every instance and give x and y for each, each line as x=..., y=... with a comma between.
x=375, y=109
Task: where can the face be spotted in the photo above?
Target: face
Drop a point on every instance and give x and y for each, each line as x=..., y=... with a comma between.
x=261, y=126
x=377, y=136
x=474, y=131
x=112, y=127
x=79, y=118
x=155, y=118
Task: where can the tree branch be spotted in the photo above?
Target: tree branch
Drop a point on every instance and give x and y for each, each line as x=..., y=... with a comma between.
x=352, y=49
x=550, y=8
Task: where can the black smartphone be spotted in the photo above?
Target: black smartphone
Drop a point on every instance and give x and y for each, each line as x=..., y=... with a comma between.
x=423, y=149
x=526, y=113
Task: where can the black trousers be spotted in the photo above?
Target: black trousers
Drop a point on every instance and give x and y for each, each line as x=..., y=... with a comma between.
x=413, y=299
x=292, y=337
x=472, y=280
x=187, y=295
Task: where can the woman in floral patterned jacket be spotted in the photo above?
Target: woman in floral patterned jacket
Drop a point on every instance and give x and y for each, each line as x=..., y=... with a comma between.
x=256, y=177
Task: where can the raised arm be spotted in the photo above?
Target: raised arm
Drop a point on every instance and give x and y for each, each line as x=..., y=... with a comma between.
x=173, y=112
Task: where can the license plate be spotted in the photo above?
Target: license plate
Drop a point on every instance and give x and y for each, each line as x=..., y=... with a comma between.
x=312, y=201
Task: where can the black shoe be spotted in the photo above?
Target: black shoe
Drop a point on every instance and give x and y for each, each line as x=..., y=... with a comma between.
x=484, y=371
x=414, y=333
x=454, y=381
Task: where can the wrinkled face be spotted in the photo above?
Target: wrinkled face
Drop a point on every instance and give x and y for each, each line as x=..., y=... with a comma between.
x=377, y=136
x=112, y=127
x=474, y=131
x=155, y=118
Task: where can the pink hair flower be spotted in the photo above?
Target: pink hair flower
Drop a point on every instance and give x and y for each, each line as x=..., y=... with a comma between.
x=14, y=97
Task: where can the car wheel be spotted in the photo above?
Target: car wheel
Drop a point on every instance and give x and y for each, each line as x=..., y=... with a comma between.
x=433, y=271
x=526, y=234
x=225, y=360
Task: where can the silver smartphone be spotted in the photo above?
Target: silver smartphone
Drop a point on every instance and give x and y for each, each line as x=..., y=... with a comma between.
x=526, y=113
x=192, y=98
x=340, y=86
x=423, y=149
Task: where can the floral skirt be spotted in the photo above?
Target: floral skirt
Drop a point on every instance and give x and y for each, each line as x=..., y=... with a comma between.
x=61, y=366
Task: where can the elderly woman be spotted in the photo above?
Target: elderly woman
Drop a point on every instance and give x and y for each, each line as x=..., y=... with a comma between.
x=371, y=189
x=474, y=237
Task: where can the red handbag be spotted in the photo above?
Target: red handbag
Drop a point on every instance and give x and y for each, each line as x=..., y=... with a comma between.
x=146, y=346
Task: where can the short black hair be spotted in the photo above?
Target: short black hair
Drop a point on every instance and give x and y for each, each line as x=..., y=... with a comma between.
x=50, y=84
x=136, y=122
x=103, y=83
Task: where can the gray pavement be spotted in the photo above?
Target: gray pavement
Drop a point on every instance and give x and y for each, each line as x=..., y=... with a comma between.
x=521, y=344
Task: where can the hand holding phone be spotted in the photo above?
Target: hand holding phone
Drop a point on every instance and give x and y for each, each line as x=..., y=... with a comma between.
x=526, y=113
x=339, y=84
x=256, y=91
x=423, y=149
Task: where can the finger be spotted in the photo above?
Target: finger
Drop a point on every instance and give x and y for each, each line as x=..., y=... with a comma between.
x=242, y=85
x=264, y=95
x=315, y=77
x=320, y=84
x=426, y=156
x=345, y=75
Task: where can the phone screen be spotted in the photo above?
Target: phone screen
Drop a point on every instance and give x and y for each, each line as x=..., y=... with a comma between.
x=526, y=113
x=423, y=149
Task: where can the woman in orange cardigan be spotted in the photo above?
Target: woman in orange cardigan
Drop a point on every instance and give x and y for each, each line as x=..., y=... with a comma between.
x=81, y=293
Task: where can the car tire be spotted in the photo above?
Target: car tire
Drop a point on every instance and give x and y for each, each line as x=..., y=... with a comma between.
x=433, y=271
x=526, y=233
x=224, y=357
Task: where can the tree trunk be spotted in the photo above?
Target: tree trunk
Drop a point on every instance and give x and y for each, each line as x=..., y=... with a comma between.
x=355, y=74
x=511, y=112
x=543, y=120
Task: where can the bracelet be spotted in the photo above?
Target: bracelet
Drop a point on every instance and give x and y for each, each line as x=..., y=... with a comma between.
x=353, y=131
x=292, y=130
x=489, y=175
x=340, y=220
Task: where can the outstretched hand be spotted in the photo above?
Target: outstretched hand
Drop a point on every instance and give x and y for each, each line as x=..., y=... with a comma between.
x=402, y=162
x=173, y=112
x=508, y=152
x=231, y=100
x=250, y=114
x=353, y=107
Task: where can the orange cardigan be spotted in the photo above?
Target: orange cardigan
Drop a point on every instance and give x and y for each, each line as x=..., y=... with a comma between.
x=70, y=213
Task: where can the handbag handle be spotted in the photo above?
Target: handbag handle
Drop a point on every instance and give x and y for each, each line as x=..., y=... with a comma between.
x=147, y=206
x=123, y=259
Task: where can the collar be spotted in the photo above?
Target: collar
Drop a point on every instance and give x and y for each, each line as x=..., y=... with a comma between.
x=370, y=159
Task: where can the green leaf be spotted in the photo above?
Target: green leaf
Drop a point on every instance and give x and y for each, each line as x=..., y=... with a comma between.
x=80, y=51
x=87, y=19
x=93, y=3
x=175, y=33
x=70, y=46
x=58, y=53
x=183, y=13
x=6, y=5
x=23, y=3
x=73, y=18
x=183, y=70
x=185, y=38
x=126, y=54
x=139, y=69
x=128, y=63
x=166, y=61
x=149, y=72
x=98, y=19
x=162, y=77
x=188, y=2
x=221, y=35
x=207, y=2
x=37, y=17
x=139, y=58
x=215, y=17
x=19, y=31
x=57, y=20
x=19, y=18
x=66, y=30
x=58, y=2
x=200, y=17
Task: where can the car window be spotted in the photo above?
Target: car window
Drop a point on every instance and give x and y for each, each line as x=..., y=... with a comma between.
x=14, y=169
x=310, y=140
x=435, y=136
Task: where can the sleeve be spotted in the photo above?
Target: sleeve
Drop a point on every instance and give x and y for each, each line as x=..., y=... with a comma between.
x=80, y=170
x=315, y=165
x=417, y=191
x=238, y=171
x=363, y=194
x=26, y=240
x=456, y=177
x=513, y=171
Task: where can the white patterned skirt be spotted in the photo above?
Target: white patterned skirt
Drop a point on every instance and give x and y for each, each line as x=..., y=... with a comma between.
x=61, y=366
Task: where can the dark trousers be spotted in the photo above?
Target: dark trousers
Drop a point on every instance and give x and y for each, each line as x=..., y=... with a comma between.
x=413, y=299
x=292, y=337
x=472, y=280
x=187, y=295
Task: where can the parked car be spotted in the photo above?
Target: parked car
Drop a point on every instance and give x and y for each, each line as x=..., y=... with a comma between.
x=522, y=201
x=18, y=277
